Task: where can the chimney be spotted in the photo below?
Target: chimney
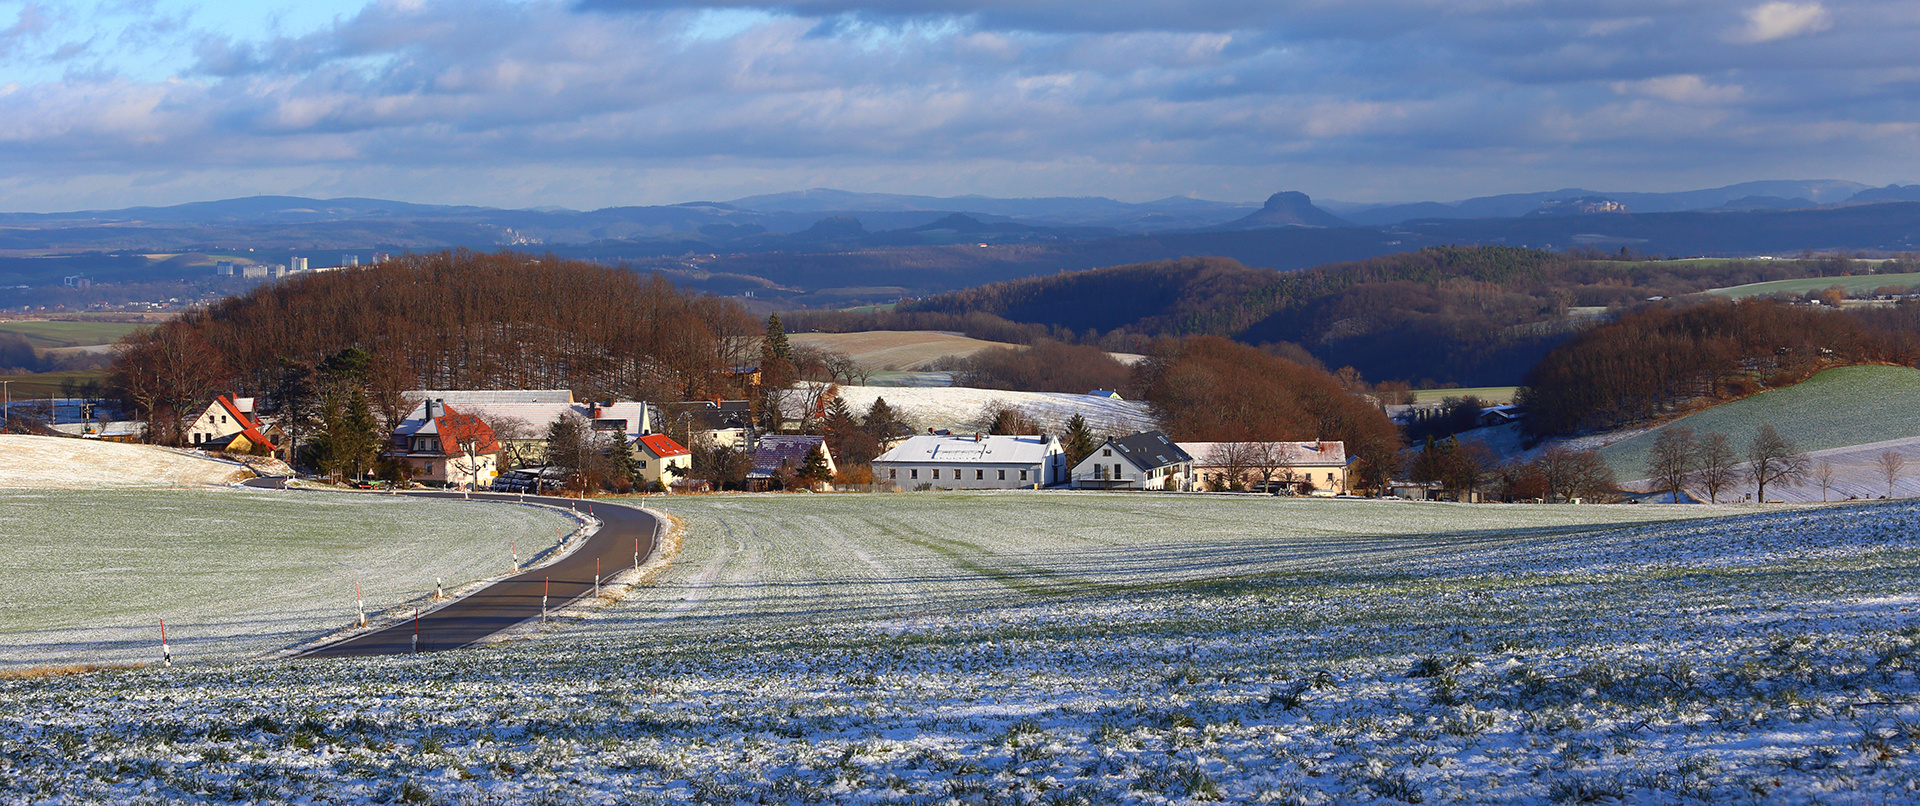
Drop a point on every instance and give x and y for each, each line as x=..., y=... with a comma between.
x=929, y=429
x=976, y=436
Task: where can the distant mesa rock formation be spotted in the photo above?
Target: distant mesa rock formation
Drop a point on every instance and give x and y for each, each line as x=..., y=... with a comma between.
x=1582, y=205
x=1288, y=208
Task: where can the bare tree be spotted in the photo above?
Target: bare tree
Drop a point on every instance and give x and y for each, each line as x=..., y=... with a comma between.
x=1823, y=473
x=1232, y=459
x=1268, y=459
x=1672, y=459
x=1571, y=474
x=1774, y=459
x=520, y=442
x=1891, y=463
x=1718, y=465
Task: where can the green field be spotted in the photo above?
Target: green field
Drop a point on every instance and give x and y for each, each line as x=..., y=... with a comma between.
x=49, y=384
x=89, y=574
x=1490, y=395
x=68, y=334
x=1856, y=284
x=1836, y=408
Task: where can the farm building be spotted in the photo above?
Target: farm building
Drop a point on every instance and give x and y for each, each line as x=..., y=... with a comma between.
x=721, y=423
x=1298, y=467
x=661, y=460
x=1142, y=461
x=976, y=462
x=777, y=458
x=520, y=417
x=229, y=424
x=444, y=446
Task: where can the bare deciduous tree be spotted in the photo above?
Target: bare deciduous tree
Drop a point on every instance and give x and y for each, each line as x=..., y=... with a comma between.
x=1672, y=459
x=1718, y=465
x=1891, y=463
x=1823, y=473
x=1774, y=459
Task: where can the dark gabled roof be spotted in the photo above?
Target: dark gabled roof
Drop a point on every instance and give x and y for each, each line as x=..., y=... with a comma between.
x=709, y=415
x=1149, y=449
x=774, y=452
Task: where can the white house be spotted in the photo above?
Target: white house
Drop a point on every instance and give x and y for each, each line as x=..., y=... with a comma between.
x=1143, y=461
x=230, y=424
x=538, y=409
x=972, y=462
x=445, y=446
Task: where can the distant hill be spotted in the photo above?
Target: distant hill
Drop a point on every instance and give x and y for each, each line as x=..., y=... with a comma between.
x=1287, y=209
x=1822, y=191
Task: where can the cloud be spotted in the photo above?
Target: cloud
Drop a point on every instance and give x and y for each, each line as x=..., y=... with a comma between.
x=553, y=102
x=1682, y=89
x=1784, y=20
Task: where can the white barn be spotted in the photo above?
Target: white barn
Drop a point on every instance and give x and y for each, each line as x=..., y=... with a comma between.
x=976, y=462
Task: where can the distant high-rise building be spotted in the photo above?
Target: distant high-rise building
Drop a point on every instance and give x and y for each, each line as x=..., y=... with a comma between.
x=381, y=257
x=349, y=260
x=297, y=264
x=223, y=268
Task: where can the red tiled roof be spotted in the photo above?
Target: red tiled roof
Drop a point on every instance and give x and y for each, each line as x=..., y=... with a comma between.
x=663, y=446
x=248, y=425
x=454, y=427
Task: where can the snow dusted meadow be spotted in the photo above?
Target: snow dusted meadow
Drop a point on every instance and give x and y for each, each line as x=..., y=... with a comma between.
x=965, y=409
x=1515, y=657
x=88, y=575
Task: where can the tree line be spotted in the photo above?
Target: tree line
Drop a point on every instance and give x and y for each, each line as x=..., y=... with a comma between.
x=446, y=320
x=1666, y=358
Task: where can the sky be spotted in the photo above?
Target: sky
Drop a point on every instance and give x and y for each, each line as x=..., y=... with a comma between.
x=595, y=103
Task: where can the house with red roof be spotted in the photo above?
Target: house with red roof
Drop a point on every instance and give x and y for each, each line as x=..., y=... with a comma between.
x=230, y=425
x=661, y=460
x=447, y=447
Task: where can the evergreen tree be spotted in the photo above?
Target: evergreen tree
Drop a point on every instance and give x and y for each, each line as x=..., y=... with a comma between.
x=620, y=461
x=1079, y=440
x=773, y=346
x=357, y=436
x=815, y=471
x=881, y=422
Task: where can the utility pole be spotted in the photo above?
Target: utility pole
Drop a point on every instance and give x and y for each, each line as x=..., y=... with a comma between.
x=6, y=420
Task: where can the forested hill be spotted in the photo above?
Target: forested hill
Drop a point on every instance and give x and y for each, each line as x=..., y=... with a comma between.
x=1475, y=315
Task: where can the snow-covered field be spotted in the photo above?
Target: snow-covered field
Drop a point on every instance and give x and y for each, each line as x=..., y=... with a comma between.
x=86, y=576
x=55, y=462
x=1516, y=657
x=965, y=409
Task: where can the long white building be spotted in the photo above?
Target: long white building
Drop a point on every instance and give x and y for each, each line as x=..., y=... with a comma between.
x=972, y=462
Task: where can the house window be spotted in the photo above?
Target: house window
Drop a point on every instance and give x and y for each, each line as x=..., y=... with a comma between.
x=1003, y=475
x=979, y=474
x=1329, y=478
x=1116, y=470
x=223, y=419
x=936, y=472
x=915, y=472
x=643, y=464
x=1106, y=451
x=1023, y=475
x=892, y=473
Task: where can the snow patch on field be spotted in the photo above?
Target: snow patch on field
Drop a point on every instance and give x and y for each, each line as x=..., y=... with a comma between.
x=964, y=409
x=55, y=462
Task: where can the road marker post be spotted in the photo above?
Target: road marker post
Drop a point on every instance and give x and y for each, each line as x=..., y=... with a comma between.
x=596, y=577
x=439, y=589
x=166, y=655
x=360, y=602
x=636, y=552
x=416, y=629
x=513, y=547
x=543, y=600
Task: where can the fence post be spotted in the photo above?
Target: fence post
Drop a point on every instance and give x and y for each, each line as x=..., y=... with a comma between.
x=543, y=600
x=166, y=655
x=360, y=602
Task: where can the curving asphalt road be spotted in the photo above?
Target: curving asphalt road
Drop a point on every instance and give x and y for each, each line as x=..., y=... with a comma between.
x=516, y=599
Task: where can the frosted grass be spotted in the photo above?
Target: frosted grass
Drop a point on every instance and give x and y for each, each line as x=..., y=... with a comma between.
x=87, y=575
x=1505, y=655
